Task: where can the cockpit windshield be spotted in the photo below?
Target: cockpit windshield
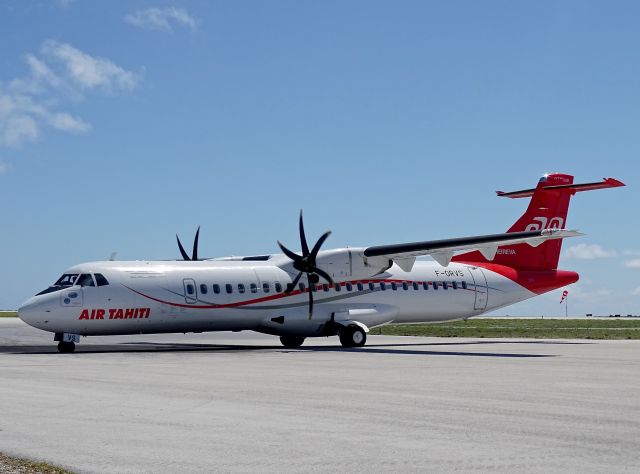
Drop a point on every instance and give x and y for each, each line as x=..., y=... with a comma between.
x=65, y=281
x=68, y=279
x=72, y=279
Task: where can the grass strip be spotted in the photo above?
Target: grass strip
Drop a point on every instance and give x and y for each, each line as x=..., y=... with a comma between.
x=522, y=328
x=8, y=314
x=23, y=466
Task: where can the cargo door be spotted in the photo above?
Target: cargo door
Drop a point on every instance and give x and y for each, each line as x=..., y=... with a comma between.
x=482, y=291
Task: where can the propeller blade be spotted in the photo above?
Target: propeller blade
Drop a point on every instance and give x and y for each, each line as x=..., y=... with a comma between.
x=291, y=286
x=303, y=238
x=310, y=302
x=316, y=247
x=184, y=254
x=194, y=256
x=323, y=274
x=293, y=256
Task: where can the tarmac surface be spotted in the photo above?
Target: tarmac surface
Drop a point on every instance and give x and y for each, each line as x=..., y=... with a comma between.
x=239, y=402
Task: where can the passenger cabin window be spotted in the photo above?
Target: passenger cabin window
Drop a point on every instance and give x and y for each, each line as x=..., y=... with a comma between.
x=190, y=289
x=86, y=280
x=203, y=288
x=405, y=285
x=425, y=285
x=360, y=287
x=435, y=285
x=325, y=287
x=253, y=287
x=278, y=286
x=216, y=288
x=265, y=287
x=394, y=287
x=337, y=286
x=349, y=287
x=445, y=285
x=464, y=285
x=383, y=286
x=372, y=286
x=455, y=285
x=101, y=280
x=415, y=285
x=241, y=288
x=301, y=286
x=229, y=288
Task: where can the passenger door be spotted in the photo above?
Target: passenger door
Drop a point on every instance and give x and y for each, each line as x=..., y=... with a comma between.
x=190, y=290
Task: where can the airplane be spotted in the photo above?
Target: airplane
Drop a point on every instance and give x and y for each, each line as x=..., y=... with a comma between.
x=318, y=293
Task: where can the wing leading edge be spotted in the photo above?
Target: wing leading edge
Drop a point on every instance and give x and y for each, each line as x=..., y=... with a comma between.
x=442, y=250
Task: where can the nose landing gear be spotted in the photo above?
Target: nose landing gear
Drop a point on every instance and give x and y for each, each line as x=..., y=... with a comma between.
x=66, y=342
x=66, y=347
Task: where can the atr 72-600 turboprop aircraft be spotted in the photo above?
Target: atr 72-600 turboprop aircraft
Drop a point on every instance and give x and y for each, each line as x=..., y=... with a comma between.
x=341, y=292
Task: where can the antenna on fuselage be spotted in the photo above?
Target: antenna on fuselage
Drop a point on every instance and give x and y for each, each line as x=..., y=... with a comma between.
x=113, y=256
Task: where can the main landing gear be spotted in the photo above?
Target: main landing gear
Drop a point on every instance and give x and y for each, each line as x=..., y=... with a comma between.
x=291, y=342
x=350, y=336
x=66, y=347
x=353, y=336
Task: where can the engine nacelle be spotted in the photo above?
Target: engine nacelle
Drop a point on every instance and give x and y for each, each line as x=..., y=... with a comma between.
x=351, y=264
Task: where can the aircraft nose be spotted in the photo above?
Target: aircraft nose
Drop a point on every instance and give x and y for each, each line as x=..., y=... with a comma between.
x=33, y=312
x=26, y=311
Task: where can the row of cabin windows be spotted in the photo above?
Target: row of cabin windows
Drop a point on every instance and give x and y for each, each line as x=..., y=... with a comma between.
x=266, y=286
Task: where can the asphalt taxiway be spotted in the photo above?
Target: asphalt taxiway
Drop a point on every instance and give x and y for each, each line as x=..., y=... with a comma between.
x=241, y=402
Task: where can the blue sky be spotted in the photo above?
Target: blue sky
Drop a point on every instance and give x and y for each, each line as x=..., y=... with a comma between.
x=122, y=123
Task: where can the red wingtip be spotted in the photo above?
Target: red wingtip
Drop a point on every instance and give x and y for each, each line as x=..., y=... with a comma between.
x=613, y=183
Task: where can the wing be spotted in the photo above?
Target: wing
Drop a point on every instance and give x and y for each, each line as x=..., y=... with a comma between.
x=442, y=250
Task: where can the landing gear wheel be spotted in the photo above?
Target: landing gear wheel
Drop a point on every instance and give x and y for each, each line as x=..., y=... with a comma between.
x=353, y=336
x=291, y=342
x=66, y=347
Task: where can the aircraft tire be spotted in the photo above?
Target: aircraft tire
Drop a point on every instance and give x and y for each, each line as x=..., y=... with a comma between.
x=353, y=336
x=291, y=342
x=66, y=347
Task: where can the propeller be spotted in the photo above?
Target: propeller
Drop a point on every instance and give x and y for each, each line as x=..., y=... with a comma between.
x=306, y=263
x=194, y=254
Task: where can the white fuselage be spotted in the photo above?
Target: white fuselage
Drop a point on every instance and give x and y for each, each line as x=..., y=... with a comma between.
x=210, y=295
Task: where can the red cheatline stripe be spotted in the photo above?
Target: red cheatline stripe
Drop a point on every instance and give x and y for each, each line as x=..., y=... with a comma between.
x=270, y=297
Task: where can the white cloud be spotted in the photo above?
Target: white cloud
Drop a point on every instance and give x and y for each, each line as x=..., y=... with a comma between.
x=67, y=123
x=88, y=71
x=59, y=72
x=161, y=19
x=633, y=263
x=588, y=252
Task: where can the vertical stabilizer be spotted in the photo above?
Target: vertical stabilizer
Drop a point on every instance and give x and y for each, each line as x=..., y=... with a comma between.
x=547, y=209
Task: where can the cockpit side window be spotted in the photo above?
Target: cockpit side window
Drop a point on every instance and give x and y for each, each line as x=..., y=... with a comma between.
x=101, y=280
x=86, y=280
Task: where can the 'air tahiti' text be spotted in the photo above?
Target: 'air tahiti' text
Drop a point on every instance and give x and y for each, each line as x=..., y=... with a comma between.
x=116, y=313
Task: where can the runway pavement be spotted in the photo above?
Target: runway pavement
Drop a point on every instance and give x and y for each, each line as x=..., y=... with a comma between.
x=240, y=402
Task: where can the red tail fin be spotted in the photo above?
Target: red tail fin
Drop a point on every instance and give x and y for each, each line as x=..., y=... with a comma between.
x=547, y=209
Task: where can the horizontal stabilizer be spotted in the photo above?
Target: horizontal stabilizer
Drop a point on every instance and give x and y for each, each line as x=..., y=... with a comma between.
x=572, y=188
